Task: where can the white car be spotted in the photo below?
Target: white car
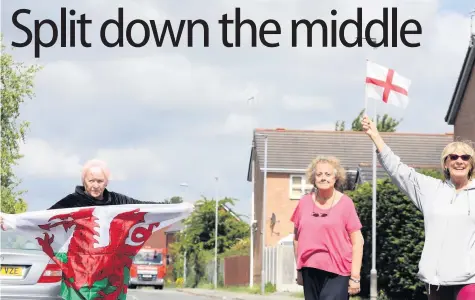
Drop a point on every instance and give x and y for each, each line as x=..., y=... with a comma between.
x=26, y=272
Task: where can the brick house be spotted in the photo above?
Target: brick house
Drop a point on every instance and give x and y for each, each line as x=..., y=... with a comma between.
x=461, y=112
x=164, y=237
x=157, y=239
x=171, y=231
x=291, y=151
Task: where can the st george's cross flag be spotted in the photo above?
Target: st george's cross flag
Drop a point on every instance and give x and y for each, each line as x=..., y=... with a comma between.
x=94, y=246
x=385, y=84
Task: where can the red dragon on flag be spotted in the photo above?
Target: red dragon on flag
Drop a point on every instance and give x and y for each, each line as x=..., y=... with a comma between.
x=95, y=246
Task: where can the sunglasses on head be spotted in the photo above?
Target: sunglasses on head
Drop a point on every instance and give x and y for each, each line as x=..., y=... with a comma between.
x=464, y=157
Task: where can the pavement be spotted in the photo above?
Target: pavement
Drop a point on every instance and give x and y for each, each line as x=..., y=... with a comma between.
x=168, y=294
x=199, y=294
x=225, y=295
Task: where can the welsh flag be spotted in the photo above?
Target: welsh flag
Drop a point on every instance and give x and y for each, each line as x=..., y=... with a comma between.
x=95, y=246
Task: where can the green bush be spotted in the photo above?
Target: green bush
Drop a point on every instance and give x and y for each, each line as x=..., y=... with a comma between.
x=400, y=239
x=270, y=288
x=240, y=248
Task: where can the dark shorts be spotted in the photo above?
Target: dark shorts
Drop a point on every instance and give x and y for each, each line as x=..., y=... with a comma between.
x=323, y=285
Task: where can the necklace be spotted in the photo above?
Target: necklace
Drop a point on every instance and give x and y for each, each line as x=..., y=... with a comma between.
x=314, y=204
x=332, y=197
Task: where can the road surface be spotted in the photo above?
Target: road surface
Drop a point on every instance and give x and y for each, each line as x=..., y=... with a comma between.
x=168, y=294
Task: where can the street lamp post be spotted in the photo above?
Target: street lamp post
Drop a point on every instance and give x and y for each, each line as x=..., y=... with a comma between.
x=251, y=225
x=216, y=239
x=263, y=222
x=185, y=185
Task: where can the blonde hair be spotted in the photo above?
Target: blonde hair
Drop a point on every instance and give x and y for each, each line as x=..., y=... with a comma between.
x=340, y=173
x=464, y=147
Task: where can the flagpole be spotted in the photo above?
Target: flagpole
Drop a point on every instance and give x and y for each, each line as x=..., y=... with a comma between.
x=374, y=273
x=401, y=89
x=366, y=93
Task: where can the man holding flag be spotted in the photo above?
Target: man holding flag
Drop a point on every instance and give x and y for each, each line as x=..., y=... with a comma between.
x=447, y=265
x=93, y=234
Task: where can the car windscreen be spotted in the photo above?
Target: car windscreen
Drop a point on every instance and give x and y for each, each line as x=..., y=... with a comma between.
x=148, y=257
x=17, y=241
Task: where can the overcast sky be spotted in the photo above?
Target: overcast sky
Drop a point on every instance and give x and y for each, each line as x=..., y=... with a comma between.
x=163, y=116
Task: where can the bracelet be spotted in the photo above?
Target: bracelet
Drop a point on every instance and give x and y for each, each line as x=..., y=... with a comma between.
x=354, y=280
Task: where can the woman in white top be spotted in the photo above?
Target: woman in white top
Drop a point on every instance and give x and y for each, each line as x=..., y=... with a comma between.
x=447, y=263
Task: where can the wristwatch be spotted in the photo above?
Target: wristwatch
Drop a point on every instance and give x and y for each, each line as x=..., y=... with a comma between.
x=354, y=280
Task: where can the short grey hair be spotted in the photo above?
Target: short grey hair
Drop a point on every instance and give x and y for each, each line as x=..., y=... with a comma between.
x=95, y=163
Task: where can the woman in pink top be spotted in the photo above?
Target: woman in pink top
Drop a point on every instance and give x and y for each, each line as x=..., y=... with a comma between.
x=328, y=243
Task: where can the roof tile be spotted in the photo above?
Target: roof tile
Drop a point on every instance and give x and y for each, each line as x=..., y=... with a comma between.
x=295, y=149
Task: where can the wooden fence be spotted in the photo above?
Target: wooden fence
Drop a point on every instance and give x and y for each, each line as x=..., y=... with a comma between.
x=279, y=265
x=236, y=270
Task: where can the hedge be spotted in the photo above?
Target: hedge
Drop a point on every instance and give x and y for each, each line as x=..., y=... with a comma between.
x=400, y=239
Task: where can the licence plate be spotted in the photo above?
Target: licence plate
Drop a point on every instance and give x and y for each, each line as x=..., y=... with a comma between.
x=11, y=271
x=147, y=276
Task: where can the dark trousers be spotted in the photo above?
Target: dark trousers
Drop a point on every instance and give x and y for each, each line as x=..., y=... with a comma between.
x=322, y=285
x=443, y=292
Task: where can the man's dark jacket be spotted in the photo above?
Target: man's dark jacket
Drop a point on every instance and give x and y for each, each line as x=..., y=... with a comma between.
x=81, y=199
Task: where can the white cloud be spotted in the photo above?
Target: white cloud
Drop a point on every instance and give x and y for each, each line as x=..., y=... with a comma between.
x=162, y=80
x=133, y=163
x=43, y=160
x=322, y=126
x=67, y=80
x=236, y=124
x=306, y=103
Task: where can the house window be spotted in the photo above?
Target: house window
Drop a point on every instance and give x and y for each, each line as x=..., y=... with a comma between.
x=298, y=186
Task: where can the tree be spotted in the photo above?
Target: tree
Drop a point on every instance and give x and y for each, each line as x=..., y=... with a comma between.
x=198, y=239
x=17, y=85
x=384, y=123
x=173, y=200
x=400, y=238
x=241, y=247
x=340, y=126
